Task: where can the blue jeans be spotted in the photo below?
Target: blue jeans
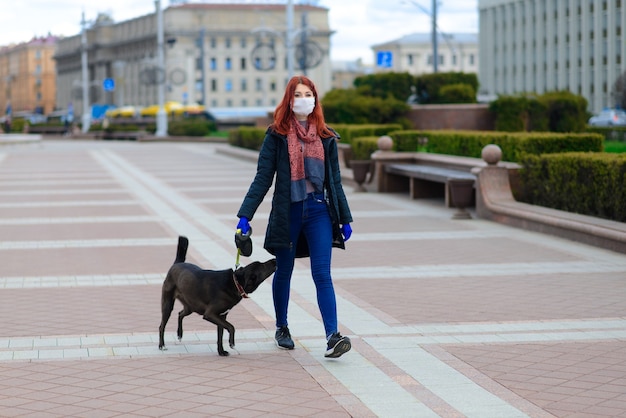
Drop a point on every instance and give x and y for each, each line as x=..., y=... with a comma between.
x=311, y=217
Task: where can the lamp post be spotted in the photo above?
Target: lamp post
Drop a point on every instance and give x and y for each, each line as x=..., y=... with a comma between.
x=86, y=116
x=161, y=116
x=289, y=39
x=434, y=36
x=433, y=15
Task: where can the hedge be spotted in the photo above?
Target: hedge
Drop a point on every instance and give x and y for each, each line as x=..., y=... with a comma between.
x=588, y=183
x=363, y=147
x=513, y=144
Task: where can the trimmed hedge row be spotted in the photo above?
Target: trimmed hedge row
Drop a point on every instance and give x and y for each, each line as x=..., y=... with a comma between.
x=252, y=138
x=363, y=147
x=587, y=183
x=610, y=133
x=247, y=137
x=513, y=144
x=348, y=132
x=192, y=127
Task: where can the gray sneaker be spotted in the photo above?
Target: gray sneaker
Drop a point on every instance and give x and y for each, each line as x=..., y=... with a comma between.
x=337, y=346
x=283, y=338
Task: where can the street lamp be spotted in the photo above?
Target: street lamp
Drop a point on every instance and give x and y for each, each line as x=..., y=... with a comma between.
x=433, y=14
x=86, y=117
x=161, y=116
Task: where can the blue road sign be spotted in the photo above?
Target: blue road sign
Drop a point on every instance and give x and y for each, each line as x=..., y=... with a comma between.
x=384, y=59
x=108, y=84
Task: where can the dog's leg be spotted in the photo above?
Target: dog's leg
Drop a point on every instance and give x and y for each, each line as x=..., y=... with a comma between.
x=167, y=304
x=186, y=311
x=220, y=343
x=221, y=322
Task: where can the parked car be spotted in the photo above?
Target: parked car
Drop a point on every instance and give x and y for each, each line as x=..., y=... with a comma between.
x=170, y=109
x=609, y=117
x=123, y=112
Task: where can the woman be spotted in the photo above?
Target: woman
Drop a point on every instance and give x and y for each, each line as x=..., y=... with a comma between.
x=310, y=213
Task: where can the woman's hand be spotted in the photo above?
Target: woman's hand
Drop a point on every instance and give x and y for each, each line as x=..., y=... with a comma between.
x=346, y=231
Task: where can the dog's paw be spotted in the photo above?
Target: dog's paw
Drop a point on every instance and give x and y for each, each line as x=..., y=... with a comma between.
x=224, y=353
x=163, y=348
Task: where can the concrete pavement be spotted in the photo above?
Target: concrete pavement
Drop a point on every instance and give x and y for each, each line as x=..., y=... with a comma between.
x=449, y=318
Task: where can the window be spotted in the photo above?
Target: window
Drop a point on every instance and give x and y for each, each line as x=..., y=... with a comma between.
x=243, y=63
x=213, y=84
x=244, y=103
x=243, y=42
x=273, y=86
x=228, y=85
x=471, y=59
x=227, y=42
x=213, y=43
x=213, y=64
x=228, y=65
x=410, y=59
x=258, y=84
x=244, y=84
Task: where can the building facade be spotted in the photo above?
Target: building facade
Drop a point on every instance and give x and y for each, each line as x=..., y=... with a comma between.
x=27, y=76
x=345, y=72
x=457, y=52
x=221, y=55
x=547, y=45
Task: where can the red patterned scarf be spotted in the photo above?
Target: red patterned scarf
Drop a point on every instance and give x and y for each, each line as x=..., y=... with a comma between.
x=306, y=157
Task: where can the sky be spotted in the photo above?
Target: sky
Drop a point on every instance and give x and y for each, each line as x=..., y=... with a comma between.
x=358, y=24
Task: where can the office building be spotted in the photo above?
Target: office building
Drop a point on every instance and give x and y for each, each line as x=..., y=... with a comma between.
x=229, y=54
x=457, y=52
x=27, y=76
x=548, y=45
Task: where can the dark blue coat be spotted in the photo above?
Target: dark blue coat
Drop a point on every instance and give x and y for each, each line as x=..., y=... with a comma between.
x=274, y=160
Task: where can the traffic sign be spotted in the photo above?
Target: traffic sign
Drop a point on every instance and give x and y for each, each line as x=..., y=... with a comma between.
x=108, y=84
x=384, y=59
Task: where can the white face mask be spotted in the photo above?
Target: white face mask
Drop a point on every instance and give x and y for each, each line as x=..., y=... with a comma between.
x=303, y=105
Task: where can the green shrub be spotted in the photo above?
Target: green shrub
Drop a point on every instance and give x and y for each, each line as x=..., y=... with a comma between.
x=383, y=85
x=348, y=106
x=567, y=112
x=429, y=86
x=513, y=144
x=363, y=147
x=519, y=113
x=587, y=183
x=247, y=137
x=457, y=93
x=192, y=127
x=348, y=131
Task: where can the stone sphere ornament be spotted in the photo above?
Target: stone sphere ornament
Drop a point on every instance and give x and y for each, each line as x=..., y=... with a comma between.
x=491, y=154
x=385, y=143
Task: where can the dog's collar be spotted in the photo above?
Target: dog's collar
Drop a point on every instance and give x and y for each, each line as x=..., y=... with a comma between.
x=240, y=289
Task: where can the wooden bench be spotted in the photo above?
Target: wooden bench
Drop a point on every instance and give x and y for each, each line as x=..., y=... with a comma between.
x=55, y=130
x=427, y=181
x=132, y=135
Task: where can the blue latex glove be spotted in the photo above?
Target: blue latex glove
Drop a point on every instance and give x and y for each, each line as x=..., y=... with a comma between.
x=346, y=230
x=244, y=225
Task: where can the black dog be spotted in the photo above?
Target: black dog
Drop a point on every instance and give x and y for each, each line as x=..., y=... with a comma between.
x=210, y=293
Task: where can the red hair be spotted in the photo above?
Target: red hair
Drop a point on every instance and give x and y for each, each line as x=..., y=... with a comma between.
x=283, y=115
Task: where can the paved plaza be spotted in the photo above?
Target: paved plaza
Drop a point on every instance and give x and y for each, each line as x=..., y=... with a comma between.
x=448, y=318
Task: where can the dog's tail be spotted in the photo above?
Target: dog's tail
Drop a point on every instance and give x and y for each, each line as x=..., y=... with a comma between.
x=181, y=252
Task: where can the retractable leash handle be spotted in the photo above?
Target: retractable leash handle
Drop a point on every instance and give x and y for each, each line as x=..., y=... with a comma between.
x=238, y=252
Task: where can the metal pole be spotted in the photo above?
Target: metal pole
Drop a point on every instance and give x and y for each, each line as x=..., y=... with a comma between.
x=434, y=34
x=86, y=117
x=202, y=68
x=289, y=40
x=161, y=117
